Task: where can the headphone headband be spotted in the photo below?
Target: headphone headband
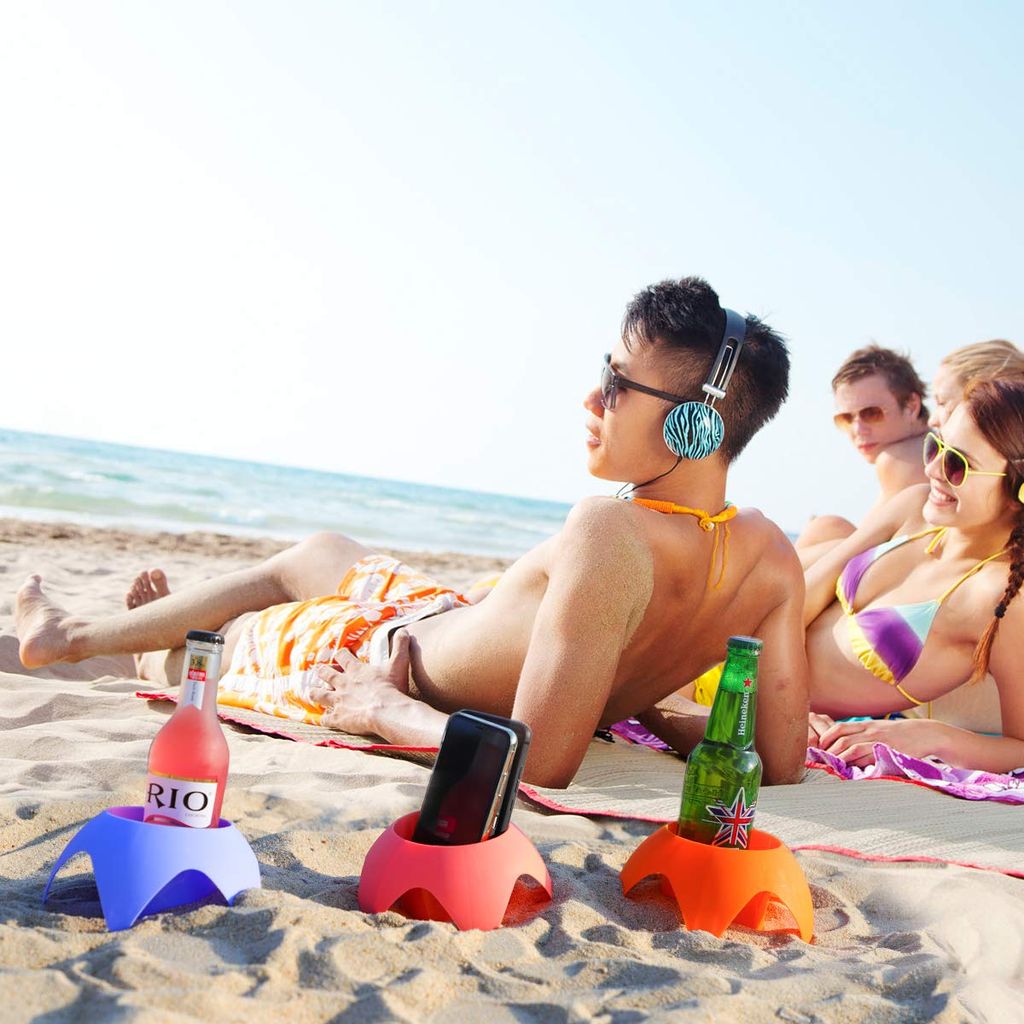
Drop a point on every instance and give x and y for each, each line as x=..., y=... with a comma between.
x=728, y=355
x=694, y=430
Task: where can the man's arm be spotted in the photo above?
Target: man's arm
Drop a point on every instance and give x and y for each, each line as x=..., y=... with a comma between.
x=599, y=585
x=677, y=720
x=782, y=683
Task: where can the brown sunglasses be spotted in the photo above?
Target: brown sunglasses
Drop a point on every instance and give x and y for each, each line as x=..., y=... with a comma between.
x=870, y=414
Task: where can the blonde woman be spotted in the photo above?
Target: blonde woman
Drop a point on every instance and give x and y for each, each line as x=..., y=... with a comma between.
x=983, y=360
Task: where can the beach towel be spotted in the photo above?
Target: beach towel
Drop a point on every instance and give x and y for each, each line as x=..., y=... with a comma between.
x=886, y=821
x=301, y=732
x=890, y=765
x=966, y=783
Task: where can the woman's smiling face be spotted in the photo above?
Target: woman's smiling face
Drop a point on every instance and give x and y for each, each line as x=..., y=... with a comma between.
x=979, y=500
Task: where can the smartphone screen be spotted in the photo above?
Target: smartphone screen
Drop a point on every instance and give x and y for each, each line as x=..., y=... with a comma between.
x=523, y=735
x=468, y=782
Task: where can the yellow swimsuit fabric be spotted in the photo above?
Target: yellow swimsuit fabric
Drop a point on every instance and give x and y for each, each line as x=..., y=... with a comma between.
x=705, y=686
x=275, y=663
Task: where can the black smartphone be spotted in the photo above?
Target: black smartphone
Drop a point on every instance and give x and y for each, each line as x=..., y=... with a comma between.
x=523, y=735
x=467, y=786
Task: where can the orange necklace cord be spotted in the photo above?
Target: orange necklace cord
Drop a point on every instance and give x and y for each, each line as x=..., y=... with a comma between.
x=706, y=521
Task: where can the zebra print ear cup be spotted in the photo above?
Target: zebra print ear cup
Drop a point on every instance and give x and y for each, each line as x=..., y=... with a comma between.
x=693, y=430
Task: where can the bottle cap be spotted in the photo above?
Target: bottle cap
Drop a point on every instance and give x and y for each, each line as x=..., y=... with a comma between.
x=745, y=643
x=204, y=636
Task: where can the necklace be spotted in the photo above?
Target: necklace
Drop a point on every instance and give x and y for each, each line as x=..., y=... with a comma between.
x=706, y=521
x=670, y=508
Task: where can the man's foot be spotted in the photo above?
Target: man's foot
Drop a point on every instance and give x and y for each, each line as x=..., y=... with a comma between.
x=44, y=629
x=147, y=586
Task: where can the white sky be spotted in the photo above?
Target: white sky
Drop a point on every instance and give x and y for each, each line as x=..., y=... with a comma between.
x=396, y=239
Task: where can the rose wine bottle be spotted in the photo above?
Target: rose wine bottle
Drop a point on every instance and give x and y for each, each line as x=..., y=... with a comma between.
x=188, y=760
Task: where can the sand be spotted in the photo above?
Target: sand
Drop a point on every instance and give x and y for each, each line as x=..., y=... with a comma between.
x=893, y=942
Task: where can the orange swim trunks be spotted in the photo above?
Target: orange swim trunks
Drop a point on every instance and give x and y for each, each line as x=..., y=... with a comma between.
x=274, y=664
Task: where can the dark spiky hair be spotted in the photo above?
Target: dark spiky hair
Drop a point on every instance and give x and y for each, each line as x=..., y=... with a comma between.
x=685, y=319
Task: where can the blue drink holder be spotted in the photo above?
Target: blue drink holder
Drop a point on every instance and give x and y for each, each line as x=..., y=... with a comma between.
x=142, y=868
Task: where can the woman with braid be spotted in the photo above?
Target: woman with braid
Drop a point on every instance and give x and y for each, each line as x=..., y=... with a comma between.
x=917, y=610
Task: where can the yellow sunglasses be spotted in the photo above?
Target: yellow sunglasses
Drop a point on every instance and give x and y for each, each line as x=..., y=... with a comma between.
x=954, y=463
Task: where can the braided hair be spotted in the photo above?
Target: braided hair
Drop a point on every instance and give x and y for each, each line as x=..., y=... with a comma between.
x=1015, y=547
x=997, y=407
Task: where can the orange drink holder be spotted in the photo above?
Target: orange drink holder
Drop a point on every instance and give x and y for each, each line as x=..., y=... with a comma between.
x=468, y=885
x=716, y=886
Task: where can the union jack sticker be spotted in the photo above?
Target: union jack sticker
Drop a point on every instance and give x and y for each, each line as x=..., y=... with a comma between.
x=734, y=820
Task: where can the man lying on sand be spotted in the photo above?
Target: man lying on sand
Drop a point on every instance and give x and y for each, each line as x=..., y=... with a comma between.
x=602, y=621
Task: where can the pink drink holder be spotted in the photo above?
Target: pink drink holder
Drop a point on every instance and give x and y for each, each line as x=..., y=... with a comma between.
x=142, y=868
x=715, y=886
x=468, y=885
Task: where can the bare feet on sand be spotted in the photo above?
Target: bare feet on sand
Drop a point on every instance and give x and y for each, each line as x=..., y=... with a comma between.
x=147, y=586
x=45, y=630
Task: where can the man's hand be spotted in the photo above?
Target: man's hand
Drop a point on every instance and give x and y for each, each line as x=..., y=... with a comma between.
x=854, y=741
x=354, y=694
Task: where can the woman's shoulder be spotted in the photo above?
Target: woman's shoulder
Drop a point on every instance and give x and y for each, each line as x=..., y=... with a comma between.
x=901, y=515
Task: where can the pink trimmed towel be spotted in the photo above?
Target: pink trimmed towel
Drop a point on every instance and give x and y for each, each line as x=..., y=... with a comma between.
x=966, y=783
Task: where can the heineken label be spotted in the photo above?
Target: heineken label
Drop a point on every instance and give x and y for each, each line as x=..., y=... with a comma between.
x=184, y=801
x=744, y=713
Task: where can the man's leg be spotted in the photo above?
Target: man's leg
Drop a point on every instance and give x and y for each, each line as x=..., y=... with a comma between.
x=310, y=569
x=164, y=667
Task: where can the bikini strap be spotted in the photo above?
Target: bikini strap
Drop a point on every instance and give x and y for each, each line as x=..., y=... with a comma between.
x=970, y=572
x=939, y=531
x=913, y=700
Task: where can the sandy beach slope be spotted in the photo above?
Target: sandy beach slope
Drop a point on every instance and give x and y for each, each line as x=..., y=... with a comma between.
x=894, y=943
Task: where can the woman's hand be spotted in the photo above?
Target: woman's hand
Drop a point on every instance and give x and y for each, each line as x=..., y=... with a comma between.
x=354, y=693
x=817, y=726
x=854, y=741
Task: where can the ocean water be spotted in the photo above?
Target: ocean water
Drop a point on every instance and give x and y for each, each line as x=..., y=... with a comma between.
x=90, y=482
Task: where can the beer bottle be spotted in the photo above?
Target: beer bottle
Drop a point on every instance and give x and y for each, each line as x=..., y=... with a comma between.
x=188, y=760
x=723, y=774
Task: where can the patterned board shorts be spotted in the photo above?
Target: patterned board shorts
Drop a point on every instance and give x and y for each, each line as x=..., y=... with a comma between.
x=274, y=664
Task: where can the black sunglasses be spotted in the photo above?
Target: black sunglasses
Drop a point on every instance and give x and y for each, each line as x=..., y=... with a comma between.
x=611, y=382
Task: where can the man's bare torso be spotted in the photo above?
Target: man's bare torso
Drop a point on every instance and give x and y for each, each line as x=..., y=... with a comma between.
x=473, y=656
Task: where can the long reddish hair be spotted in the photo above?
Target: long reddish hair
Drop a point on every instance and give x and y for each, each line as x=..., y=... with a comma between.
x=997, y=407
